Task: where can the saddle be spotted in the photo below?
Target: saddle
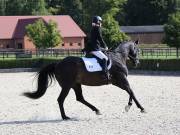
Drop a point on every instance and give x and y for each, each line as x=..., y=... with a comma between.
x=93, y=63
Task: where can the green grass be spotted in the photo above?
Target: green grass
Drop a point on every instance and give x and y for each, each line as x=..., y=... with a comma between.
x=158, y=57
x=153, y=46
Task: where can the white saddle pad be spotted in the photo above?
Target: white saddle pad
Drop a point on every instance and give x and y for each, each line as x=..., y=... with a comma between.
x=92, y=64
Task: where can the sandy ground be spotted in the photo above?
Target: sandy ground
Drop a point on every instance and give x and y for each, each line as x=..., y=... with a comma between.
x=160, y=96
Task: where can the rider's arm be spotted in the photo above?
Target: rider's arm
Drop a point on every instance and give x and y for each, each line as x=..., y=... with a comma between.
x=103, y=44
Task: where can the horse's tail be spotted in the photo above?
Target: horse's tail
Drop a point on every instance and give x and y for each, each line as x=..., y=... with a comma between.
x=43, y=75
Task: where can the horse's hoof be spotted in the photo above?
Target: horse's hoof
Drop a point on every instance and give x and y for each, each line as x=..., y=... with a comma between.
x=98, y=113
x=127, y=107
x=66, y=118
x=143, y=111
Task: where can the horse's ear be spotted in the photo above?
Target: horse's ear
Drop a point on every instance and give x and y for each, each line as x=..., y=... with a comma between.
x=136, y=42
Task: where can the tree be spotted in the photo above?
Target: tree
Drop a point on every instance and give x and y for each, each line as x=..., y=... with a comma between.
x=54, y=6
x=81, y=11
x=26, y=7
x=2, y=7
x=53, y=38
x=74, y=9
x=172, y=31
x=15, y=7
x=148, y=12
x=111, y=30
x=120, y=16
x=44, y=35
x=108, y=9
x=37, y=7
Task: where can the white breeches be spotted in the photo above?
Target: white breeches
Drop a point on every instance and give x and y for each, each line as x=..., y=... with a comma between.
x=99, y=54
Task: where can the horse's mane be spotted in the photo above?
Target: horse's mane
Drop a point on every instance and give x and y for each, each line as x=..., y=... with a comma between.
x=122, y=43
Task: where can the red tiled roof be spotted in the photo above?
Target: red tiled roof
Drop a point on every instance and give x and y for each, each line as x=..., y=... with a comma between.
x=14, y=26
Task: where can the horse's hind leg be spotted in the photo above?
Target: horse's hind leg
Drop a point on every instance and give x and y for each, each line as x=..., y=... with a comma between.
x=79, y=97
x=61, y=98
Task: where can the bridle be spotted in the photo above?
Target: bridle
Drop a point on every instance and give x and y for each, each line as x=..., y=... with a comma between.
x=133, y=58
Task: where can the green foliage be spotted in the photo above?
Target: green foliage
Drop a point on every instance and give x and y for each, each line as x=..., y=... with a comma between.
x=44, y=35
x=15, y=7
x=108, y=9
x=36, y=32
x=151, y=64
x=111, y=31
x=26, y=63
x=2, y=7
x=172, y=31
x=126, y=12
x=73, y=8
x=40, y=8
x=53, y=37
x=148, y=12
x=25, y=7
x=145, y=64
x=113, y=35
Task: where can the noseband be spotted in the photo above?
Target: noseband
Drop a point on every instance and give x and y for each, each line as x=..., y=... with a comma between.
x=131, y=57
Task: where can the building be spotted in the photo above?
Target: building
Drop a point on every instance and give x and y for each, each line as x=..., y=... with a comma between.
x=146, y=34
x=13, y=33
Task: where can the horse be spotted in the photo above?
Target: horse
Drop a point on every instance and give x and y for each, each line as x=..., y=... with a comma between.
x=70, y=72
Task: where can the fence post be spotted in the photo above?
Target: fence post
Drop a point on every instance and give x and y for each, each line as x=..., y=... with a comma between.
x=3, y=55
x=68, y=52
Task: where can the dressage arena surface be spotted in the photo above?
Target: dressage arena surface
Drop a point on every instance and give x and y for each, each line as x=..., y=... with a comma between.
x=159, y=95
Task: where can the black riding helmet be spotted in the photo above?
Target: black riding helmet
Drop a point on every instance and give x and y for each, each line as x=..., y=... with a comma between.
x=96, y=19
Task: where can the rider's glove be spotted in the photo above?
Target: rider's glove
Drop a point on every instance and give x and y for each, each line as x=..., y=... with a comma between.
x=106, y=48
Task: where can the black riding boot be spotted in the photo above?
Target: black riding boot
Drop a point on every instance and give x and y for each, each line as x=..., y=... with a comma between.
x=105, y=70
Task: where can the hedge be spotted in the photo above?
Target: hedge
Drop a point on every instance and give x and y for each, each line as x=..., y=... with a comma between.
x=25, y=63
x=157, y=64
x=145, y=64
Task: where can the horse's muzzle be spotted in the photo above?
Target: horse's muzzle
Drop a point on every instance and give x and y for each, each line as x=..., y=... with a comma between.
x=136, y=62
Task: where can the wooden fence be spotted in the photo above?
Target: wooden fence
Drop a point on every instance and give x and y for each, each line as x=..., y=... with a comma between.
x=18, y=53
x=158, y=53
x=144, y=53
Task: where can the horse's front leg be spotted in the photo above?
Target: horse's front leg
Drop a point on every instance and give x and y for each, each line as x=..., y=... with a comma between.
x=122, y=82
x=127, y=107
x=131, y=94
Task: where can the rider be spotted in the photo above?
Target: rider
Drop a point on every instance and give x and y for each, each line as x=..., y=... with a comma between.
x=97, y=42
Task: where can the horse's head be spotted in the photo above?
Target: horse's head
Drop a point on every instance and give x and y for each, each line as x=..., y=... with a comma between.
x=134, y=52
x=129, y=49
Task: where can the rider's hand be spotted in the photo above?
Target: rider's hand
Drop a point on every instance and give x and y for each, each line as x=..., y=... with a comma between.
x=106, y=48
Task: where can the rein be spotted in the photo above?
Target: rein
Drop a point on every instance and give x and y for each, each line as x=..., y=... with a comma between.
x=130, y=56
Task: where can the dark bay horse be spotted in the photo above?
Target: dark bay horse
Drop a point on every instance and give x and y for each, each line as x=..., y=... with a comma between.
x=71, y=73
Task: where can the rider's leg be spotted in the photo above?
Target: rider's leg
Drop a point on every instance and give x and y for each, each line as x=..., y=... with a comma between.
x=100, y=55
x=103, y=63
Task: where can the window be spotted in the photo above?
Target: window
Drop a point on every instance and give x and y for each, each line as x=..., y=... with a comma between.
x=20, y=46
x=62, y=44
x=71, y=44
x=79, y=44
x=7, y=46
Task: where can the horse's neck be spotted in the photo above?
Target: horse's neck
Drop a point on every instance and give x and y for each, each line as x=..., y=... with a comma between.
x=119, y=57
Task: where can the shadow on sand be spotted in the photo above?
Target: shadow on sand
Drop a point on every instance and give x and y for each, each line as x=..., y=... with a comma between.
x=35, y=121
